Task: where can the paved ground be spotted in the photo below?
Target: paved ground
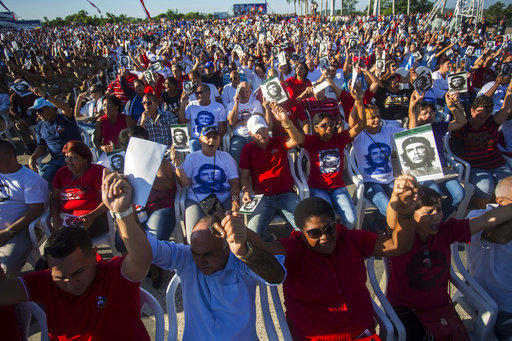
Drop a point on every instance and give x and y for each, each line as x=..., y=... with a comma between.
x=280, y=230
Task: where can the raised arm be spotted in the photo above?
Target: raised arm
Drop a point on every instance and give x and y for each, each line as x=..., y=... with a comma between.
x=357, y=118
x=456, y=108
x=66, y=109
x=178, y=161
x=399, y=216
x=257, y=259
x=117, y=196
x=296, y=137
x=491, y=219
x=506, y=109
x=416, y=98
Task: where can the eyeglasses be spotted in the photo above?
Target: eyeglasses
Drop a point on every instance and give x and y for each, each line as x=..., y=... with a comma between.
x=324, y=126
x=199, y=92
x=148, y=102
x=320, y=231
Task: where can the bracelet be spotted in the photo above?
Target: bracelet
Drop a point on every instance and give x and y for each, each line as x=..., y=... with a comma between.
x=176, y=166
x=120, y=215
x=250, y=251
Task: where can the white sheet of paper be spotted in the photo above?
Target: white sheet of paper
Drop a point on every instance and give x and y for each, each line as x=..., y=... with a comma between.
x=319, y=87
x=142, y=161
x=281, y=57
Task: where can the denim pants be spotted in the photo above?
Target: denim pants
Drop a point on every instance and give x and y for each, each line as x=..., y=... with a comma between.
x=503, y=327
x=454, y=194
x=342, y=202
x=378, y=194
x=48, y=170
x=485, y=180
x=236, y=144
x=271, y=205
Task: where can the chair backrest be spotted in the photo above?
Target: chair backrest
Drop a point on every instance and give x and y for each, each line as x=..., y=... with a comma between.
x=170, y=296
x=24, y=312
x=149, y=300
x=267, y=317
x=42, y=223
x=357, y=179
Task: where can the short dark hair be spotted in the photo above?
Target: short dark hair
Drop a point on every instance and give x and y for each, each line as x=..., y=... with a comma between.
x=320, y=117
x=7, y=147
x=427, y=197
x=125, y=134
x=425, y=104
x=65, y=241
x=483, y=101
x=312, y=207
x=116, y=101
x=79, y=148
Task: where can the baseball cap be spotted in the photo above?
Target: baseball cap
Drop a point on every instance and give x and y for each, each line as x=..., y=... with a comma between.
x=208, y=64
x=40, y=103
x=209, y=129
x=255, y=123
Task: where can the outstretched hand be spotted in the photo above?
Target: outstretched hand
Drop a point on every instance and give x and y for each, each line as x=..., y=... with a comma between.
x=116, y=192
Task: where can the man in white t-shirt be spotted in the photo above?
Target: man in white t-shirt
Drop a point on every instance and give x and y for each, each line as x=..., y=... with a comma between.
x=195, y=78
x=23, y=194
x=201, y=113
x=239, y=111
x=489, y=255
x=229, y=91
x=496, y=90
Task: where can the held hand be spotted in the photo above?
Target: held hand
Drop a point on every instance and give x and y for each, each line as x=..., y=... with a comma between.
x=405, y=194
x=37, y=91
x=246, y=198
x=357, y=94
x=87, y=220
x=235, y=206
x=32, y=164
x=116, y=192
x=236, y=233
x=416, y=97
x=278, y=112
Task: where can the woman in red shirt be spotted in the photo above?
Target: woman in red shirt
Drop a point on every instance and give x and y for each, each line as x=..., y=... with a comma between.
x=300, y=86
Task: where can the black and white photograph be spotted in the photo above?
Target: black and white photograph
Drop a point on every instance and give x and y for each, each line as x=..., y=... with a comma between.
x=490, y=44
x=457, y=82
x=323, y=49
x=275, y=50
x=188, y=88
x=352, y=43
x=21, y=88
x=418, y=154
x=116, y=160
x=422, y=82
x=324, y=63
x=148, y=76
x=417, y=55
x=273, y=91
x=125, y=61
x=249, y=207
x=380, y=64
x=470, y=50
x=180, y=137
x=281, y=58
x=197, y=52
x=505, y=69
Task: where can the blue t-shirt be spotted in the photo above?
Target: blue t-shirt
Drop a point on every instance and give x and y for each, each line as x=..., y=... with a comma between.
x=55, y=134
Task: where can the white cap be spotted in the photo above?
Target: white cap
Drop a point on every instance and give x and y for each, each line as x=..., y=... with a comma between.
x=255, y=123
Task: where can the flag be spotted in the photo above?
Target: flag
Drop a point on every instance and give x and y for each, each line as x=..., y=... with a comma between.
x=410, y=63
x=12, y=13
x=93, y=5
x=145, y=10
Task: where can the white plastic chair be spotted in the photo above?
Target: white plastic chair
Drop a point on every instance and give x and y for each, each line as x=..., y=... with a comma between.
x=150, y=301
x=24, y=313
x=170, y=295
x=357, y=178
x=267, y=317
x=463, y=168
x=483, y=328
x=179, y=213
x=42, y=223
x=109, y=237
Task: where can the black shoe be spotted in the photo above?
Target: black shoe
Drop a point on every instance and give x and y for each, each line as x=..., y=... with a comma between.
x=30, y=149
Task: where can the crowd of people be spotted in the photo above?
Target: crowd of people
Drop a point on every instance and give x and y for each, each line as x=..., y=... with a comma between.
x=232, y=101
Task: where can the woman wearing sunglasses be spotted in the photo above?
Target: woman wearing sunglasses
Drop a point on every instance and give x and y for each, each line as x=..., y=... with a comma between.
x=325, y=289
x=325, y=151
x=110, y=125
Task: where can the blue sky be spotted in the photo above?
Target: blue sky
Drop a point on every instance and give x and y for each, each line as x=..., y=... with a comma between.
x=37, y=9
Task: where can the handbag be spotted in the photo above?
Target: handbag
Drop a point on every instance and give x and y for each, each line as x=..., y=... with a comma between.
x=443, y=324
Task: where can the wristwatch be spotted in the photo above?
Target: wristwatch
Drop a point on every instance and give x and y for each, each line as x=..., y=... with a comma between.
x=250, y=251
x=235, y=197
x=120, y=215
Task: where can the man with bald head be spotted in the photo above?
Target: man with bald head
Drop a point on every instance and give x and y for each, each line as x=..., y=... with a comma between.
x=239, y=111
x=219, y=273
x=230, y=90
x=489, y=258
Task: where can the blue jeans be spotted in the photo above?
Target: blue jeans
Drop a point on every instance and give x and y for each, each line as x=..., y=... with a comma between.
x=484, y=180
x=161, y=223
x=48, y=170
x=194, y=212
x=454, y=194
x=378, y=194
x=503, y=328
x=236, y=144
x=271, y=205
x=342, y=202
x=195, y=145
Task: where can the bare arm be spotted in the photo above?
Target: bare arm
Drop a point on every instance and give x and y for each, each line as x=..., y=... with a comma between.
x=12, y=290
x=32, y=162
x=357, y=118
x=416, y=98
x=177, y=160
x=506, y=109
x=456, y=108
x=66, y=109
x=246, y=185
x=296, y=137
x=490, y=219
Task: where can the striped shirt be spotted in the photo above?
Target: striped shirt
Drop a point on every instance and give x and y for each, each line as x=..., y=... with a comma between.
x=481, y=145
x=314, y=107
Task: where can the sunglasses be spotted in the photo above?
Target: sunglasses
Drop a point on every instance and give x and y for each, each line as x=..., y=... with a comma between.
x=320, y=231
x=324, y=126
x=148, y=102
x=199, y=92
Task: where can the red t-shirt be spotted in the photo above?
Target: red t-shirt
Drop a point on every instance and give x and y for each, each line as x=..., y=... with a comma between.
x=296, y=87
x=82, y=195
x=347, y=101
x=159, y=87
x=269, y=167
x=326, y=160
x=412, y=284
x=295, y=113
x=108, y=310
x=109, y=132
x=326, y=295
